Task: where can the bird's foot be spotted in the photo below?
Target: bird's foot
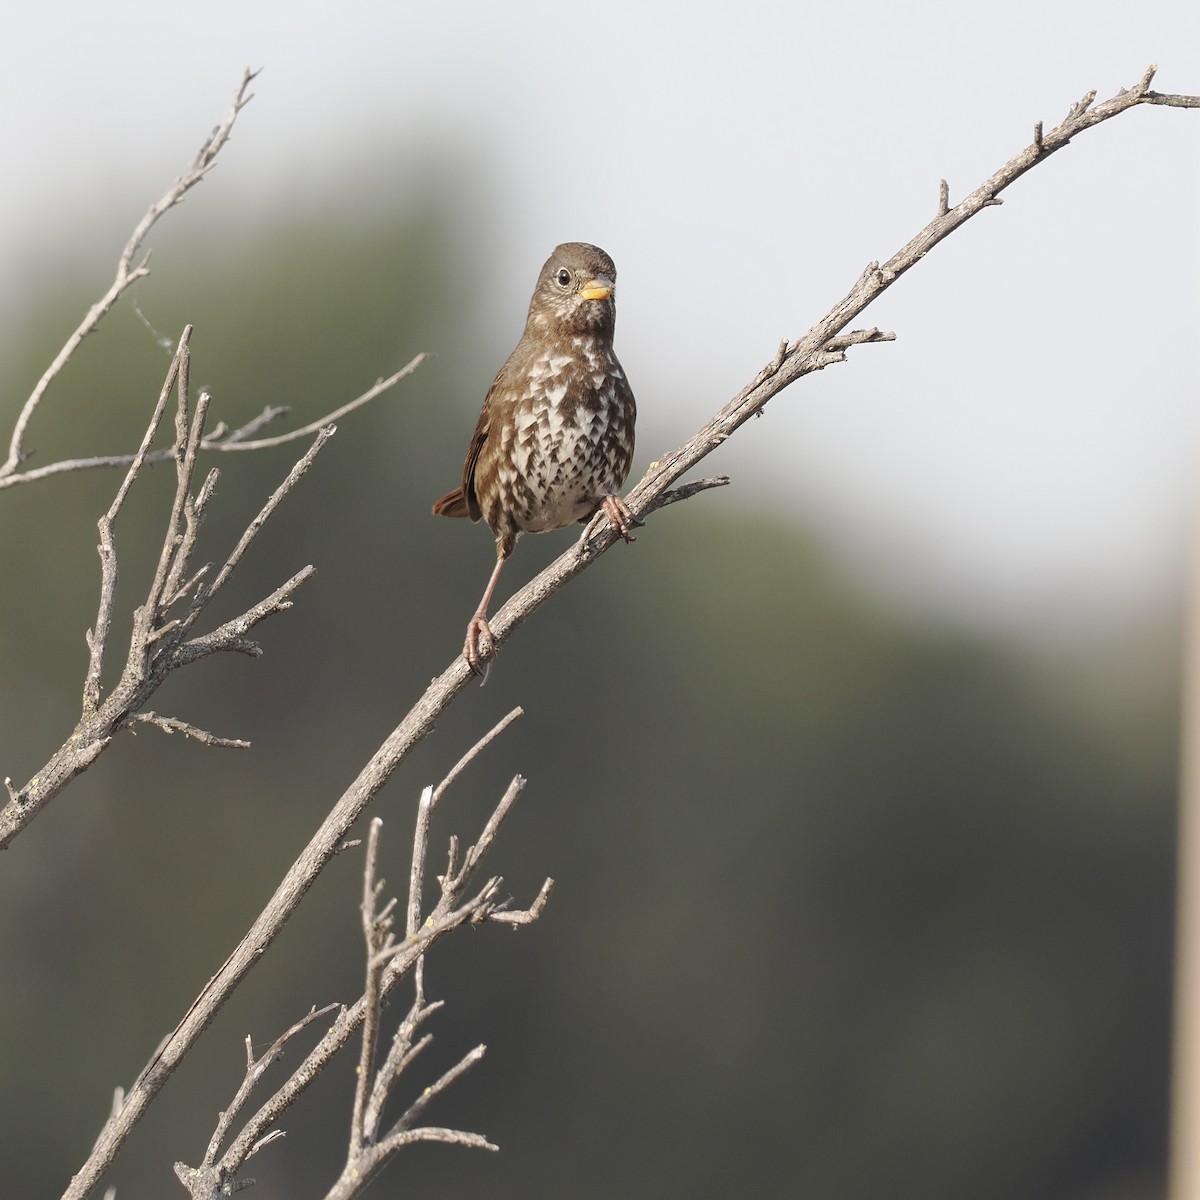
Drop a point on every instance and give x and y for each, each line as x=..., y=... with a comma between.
x=621, y=517
x=480, y=645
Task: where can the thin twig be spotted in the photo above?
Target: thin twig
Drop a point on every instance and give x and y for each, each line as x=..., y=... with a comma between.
x=208, y=1179
x=416, y=876
x=388, y=962
x=127, y=274
x=158, y=643
x=264, y=514
x=526, y=916
x=429, y=801
x=418, y=1106
x=400, y=1056
x=97, y=636
x=175, y=725
x=148, y=617
x=231, y=635
x=234, y=442
x=431, y=1133
x=476, y=854
x=220, y=440
x=686, y=491
x=474, y=752
x=375, y=935
x=255, y=1069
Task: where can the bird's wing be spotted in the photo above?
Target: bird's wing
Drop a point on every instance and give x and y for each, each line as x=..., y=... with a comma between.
x=477, y=443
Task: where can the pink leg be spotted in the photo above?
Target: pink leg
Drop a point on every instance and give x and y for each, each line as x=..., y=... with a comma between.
x=479, y=633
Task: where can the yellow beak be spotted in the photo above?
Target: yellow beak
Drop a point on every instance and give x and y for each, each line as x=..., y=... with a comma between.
x=599, y=288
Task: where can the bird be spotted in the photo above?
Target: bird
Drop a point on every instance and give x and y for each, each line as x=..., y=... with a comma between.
x=554, y=441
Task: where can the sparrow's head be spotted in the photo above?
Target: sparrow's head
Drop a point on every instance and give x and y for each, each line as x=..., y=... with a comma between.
x=576, y=290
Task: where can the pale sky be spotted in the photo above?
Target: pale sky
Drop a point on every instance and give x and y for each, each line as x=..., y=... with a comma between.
x=1025, y=450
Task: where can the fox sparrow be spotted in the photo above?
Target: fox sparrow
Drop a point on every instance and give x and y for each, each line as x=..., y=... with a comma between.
x=555, y=437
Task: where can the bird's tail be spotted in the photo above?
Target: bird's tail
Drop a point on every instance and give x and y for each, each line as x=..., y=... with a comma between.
x=452, y=504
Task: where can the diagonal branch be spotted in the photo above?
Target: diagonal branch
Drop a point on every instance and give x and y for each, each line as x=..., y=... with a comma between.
x=791, y=362
x=826, y=342
x=127, y=274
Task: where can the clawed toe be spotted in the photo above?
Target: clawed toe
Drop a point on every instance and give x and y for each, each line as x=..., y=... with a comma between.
x=480, y=644
x=621, y=517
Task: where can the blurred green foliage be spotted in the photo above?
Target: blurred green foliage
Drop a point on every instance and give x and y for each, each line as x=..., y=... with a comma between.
x=846, y=907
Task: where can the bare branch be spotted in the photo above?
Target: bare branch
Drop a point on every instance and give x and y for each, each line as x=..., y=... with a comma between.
x=264, y=514
x=264, y=418
x=525, y=916
x=174, y=725
x=208, y=1179
x=234, y=440
x=477, y=853
x=419, y=1105
x=428, y=802
x=255, y=1069
x=789, y=363
x=387, y=963
x=265, y=1140
x=127, y=274
x=377, y=935
x=474, y=752
x=400, y=1056
x=815, y=350
x=416, y=877
x=430, y=1133
x=220, y=439
x=97, y=637
x=231, y=635
x=367, y=1152
x=158, y=644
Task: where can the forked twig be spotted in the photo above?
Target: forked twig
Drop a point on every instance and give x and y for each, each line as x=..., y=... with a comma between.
x=220, y=439
x=387, y=962
x=255, y=1069
x=160, y=641
x=127, y=273
x=133, y=265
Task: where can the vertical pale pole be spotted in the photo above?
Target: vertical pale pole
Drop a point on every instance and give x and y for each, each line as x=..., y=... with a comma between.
x=1185, y=1057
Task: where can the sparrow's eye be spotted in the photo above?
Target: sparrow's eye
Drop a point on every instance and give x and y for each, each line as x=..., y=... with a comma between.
x=564, y=277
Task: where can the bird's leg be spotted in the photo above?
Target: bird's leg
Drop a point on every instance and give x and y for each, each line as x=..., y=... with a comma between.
x=620, y=516
x=479, y=633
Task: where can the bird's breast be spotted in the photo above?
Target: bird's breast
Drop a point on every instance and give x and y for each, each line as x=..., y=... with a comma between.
x=568, y=442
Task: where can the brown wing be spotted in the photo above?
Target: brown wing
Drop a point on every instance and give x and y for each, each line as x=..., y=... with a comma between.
x=468, y=484
x=463, y=501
